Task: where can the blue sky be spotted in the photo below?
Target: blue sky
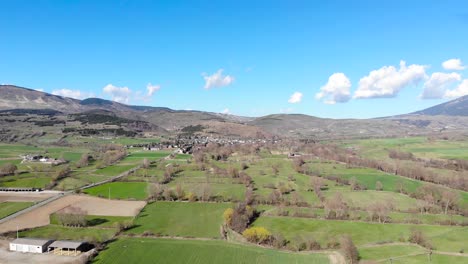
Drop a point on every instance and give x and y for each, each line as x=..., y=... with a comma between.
x=333, y=59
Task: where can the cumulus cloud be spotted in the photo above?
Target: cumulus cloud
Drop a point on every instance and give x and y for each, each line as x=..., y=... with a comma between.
x=460, y=90
x=118, y=94
x=152, y=88
x=337, y=89
x=388, y=81
x=226, y=111
x=217, y=79
x=453, y=65
x=77, y=94
x=436, y=86
x=295, y=98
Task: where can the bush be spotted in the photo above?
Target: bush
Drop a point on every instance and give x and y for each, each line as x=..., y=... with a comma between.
x=258, y=235
x=419, y=238
x=227, y=216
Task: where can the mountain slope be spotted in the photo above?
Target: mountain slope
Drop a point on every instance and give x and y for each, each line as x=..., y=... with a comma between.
x=457, y=107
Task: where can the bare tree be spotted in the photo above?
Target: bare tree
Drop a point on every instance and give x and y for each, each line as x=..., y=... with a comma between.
x=378, y=186
x=8, y=169
x=349, y=250
x=72, y=216
x=449, y=198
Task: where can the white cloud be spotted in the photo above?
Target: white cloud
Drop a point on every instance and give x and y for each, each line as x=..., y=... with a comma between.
x=226, y=111
x=337, y=89
x=295, y=98
x=453, y=65
x=437, y=85
x=118, y=94
x=77, y=94
x=39, y=89
x=152, y=88
x=461, y=90
x=388, y=81
x=217, y=79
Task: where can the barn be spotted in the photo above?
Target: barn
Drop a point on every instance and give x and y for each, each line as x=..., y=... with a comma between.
x=30, y=245
x=67, y=247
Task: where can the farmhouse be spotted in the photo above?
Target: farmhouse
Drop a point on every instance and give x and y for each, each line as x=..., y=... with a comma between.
x=30, y=245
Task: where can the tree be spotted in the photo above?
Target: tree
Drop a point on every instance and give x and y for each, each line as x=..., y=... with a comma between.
x=317, y=185
x=84, y=160
x=449, y=198
x=378, y=186
x=146, y=163
x=335, y=207
x=379, y=211
x=155, y=190
x=241, y=217
x=8, y=169
x=354, y=184
x=349, y=250
x=72, y=216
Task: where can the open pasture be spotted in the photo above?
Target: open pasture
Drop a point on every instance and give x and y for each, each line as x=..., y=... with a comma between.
x=444, y=238
x=181, y=219
x=146, y=250
x=8, y=208
x=120, y=190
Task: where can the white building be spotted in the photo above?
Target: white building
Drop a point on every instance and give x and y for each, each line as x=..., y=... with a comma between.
x=30, y=245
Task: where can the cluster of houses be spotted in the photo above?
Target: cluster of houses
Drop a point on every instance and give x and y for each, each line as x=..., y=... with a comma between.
x=57, y=247
x=186, y=144
x=42, y=159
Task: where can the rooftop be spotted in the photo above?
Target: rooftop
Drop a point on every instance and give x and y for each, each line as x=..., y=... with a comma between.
x=31, y=241
x=66, y=244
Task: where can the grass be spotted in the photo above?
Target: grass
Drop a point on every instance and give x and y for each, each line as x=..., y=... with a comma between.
x=8, y=208
x=120, y=190
x=444, y=238
x=148, y=250
x=97, y=220
x=436, y=259
x=181, y=219
x=384, y=252
x=363, y=199
x=71, y=233
x=33, y=182
x=113, y=170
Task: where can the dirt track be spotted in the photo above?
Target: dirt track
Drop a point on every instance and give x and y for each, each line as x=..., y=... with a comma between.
x=93, y=206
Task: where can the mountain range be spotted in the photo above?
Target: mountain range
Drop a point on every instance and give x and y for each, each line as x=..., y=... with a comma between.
x=95, y=114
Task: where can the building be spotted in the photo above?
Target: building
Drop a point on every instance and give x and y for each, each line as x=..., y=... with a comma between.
x=67, y=247
x=30, y=245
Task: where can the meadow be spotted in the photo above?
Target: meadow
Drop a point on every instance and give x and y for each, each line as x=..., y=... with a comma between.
x=182, y=219
x=444, y=238
x=8, y=208
x=120, y=190
x=140, y=250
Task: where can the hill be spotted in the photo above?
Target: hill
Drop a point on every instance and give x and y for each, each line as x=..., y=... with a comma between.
x=107, y=116
x=456, y=107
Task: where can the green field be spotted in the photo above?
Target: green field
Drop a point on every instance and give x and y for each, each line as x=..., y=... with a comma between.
x=97, y=220
x=8, y=208
x=113, y=170
x=140, y=250
x=120, y=190
x=444, y=238
x=181, y=219
x=384, y=252
x=70, y=233
x=363, y=199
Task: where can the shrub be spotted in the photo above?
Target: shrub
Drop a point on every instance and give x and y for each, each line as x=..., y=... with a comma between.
x=258, y=235
x=227, y=216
